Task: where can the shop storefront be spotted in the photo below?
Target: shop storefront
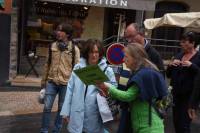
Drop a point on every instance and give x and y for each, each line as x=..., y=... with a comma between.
x=5, y=38
x=90, y=19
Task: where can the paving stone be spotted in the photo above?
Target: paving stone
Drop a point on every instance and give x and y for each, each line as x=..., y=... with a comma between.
x=20, y=112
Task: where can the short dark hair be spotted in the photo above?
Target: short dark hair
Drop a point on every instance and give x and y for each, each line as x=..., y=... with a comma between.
x=191, y=37
x=67, y=28
x=89, y=45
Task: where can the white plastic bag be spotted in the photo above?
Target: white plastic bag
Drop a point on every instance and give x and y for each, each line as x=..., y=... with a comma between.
x=105, y=112
x=41, y=96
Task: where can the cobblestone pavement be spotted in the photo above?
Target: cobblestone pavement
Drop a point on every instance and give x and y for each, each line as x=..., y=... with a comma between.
x=21, y=113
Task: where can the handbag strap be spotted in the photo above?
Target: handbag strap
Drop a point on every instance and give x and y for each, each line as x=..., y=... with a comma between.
x=86, y=88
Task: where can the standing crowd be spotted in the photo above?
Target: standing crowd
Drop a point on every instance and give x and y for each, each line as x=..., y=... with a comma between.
x=140, y=85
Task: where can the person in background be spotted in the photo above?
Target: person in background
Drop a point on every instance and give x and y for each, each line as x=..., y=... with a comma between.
x=145, y=84
x=182, y=71
x=133, y=33
x=62, y=56
x=80, y=108
x=195, y=98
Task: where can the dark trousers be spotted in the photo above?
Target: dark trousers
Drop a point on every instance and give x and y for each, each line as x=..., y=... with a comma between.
x=180, y=116
x=125, y=122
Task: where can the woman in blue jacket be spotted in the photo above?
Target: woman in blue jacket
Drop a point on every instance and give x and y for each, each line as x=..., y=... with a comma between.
x=80, y=107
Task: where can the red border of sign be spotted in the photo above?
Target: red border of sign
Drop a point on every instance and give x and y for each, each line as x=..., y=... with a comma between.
x=107, y=53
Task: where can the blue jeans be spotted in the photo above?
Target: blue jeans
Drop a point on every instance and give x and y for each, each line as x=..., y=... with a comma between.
x=51, y=91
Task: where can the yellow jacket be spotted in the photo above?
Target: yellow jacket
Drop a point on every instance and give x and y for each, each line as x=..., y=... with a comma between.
x=60, y=68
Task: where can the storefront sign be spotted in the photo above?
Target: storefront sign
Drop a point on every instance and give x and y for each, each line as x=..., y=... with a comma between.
x=80, y=14
x=126, y=4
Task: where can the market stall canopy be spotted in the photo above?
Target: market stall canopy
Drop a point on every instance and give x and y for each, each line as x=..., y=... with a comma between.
x=190, y=20
x=125, y=4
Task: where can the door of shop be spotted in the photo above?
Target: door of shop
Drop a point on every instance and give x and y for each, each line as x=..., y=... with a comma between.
x=4, y=47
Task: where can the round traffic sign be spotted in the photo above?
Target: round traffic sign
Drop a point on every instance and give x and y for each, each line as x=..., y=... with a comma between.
x=115, y=53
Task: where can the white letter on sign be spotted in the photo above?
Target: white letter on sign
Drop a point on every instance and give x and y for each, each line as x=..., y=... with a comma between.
x=123, y=3
x=93, y=1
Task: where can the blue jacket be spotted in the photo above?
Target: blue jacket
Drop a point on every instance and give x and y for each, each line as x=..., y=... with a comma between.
x=84, y=113
x=150, y=82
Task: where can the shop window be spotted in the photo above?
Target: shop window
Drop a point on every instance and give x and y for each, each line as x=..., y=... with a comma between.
x=37, y=24
x=43, y=18
x=112, y=22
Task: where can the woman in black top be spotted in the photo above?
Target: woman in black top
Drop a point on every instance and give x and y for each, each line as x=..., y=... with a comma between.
x=195, y=98
x=182, y=71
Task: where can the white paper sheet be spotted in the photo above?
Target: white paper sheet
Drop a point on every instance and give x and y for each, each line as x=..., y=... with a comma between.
x=104, y=109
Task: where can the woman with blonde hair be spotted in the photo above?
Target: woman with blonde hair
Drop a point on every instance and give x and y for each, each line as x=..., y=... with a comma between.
x=145, y=85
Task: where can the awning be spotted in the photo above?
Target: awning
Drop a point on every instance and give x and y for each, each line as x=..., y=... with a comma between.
x=125, y=4
x=190, y=20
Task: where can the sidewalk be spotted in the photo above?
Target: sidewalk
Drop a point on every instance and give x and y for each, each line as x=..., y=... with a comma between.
x=21, y=113
x=19, y=110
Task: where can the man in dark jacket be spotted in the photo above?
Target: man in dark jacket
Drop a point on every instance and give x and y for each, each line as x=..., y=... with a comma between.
x=134, y=33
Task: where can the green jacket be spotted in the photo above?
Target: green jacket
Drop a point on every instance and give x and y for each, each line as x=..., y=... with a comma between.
x=139, y=111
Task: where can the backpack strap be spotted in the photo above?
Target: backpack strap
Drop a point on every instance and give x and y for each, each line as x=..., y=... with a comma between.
x=50, y=56
x=86, y=88
x=73, y=55
x=104, y=70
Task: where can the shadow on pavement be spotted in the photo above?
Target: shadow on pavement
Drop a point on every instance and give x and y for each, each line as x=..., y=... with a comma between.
x=29, y=123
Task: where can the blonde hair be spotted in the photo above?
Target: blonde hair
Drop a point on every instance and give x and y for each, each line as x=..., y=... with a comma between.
x=137, y=51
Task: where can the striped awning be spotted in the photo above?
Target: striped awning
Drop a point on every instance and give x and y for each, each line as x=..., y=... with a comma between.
x=147, y=5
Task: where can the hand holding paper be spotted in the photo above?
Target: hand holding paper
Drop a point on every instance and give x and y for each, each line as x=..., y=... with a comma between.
x=104, y=88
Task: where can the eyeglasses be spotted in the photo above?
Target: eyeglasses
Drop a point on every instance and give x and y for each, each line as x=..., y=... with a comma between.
x=130, y=37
